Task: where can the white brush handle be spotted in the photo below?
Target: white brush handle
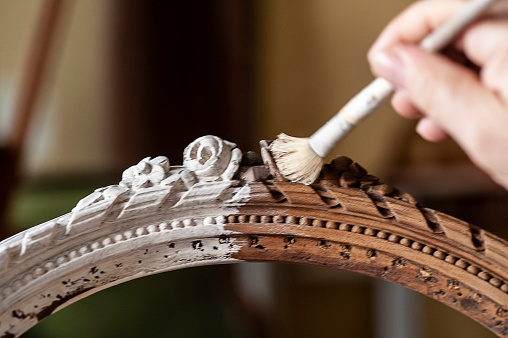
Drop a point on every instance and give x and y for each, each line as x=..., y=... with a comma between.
x=365, y=102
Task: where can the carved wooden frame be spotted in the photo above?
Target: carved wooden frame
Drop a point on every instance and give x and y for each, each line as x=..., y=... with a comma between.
x=222, y=207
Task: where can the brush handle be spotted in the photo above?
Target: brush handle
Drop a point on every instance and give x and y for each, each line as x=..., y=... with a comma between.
x=366, y=101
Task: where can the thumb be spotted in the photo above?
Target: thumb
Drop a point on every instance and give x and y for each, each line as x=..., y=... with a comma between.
x=446, y=92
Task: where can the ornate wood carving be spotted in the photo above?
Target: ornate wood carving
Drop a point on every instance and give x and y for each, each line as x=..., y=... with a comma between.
x=213, y=210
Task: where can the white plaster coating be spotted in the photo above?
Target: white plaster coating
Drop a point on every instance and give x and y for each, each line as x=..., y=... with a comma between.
x=154, y=204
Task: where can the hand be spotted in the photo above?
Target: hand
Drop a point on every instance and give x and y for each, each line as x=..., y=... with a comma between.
x=449, y=98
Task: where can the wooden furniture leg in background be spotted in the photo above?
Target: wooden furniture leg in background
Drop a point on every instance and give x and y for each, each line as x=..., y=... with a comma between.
x=30, y=87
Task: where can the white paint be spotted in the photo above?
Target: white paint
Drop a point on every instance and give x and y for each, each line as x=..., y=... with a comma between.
x=175, y=215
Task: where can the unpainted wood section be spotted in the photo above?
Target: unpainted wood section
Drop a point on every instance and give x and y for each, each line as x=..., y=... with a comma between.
x=381, y=255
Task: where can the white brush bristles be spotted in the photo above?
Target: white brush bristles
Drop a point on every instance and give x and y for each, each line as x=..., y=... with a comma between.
x=295, y=159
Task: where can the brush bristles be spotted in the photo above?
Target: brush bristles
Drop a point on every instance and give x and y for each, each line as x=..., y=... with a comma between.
x=295, y=159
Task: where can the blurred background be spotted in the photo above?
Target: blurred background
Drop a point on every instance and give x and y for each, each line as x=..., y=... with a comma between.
x=90, y=87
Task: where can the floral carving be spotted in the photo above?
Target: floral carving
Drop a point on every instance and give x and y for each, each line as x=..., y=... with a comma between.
x=207, y=159
x=147, y=173
x=211, y=158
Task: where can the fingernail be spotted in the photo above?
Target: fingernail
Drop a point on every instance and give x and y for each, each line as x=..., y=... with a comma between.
x=389, y=66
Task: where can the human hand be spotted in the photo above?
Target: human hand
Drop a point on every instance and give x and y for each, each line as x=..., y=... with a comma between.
x=450, y=98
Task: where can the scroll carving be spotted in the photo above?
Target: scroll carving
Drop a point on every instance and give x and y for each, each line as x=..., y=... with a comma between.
x=220, y=206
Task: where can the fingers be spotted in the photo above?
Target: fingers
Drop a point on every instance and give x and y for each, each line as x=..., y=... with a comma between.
x=427, y=128
x=431, y=131
x=404, y=107
x=449, y=98
x=414, y=24
x=448, y=93
x=455, y=103
x=486, y=44
x=481, y=49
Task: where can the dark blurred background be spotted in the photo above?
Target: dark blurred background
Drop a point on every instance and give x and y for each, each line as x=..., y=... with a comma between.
x=125, y=79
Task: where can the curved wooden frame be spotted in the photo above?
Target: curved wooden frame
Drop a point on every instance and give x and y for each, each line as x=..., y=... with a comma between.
x=213, y=210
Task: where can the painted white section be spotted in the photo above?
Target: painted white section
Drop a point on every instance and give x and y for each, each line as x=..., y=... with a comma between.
x=147, y=224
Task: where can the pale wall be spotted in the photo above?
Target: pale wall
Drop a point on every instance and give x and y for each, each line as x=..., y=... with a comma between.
x=69, y=134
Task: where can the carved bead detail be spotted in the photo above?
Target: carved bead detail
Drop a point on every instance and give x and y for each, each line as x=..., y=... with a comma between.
x=344, y=227
x=164, y=226
x=318, y=223
x=39, y=272
x=209, y=221
x=473, y=269
x=331, y=225
x=450, y=259
x=393, y=238
x=496, y=282
x=417, y=246
x=95, y=245
x=83, y=250
x=357, y=229
x=369, y=232
x=140, y=231
x=427, y=250
x=188, y=223
x=152, y=228
x=277, y=219
x=107, y=241
x=439, y=254
x=254, y=219
x=118, y=238
x=405, y=242
x=461, y=264
x=484, y=275
x=305, y=221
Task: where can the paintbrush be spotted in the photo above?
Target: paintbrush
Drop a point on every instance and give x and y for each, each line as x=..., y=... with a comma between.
x=301, y=159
